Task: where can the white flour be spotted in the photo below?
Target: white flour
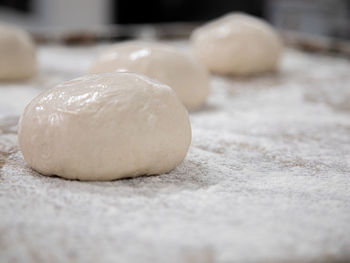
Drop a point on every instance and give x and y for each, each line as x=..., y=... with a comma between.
x=267, y=178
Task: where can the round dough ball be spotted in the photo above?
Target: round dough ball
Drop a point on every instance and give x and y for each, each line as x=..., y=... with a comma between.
x=164, y=63
x=104, y=127
x=17, y=54
x=237, y=44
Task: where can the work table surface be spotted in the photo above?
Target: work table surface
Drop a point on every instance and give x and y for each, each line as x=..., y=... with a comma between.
x=266, y=179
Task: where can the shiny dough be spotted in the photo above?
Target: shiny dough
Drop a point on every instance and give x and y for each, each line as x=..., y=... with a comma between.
x=162, y=62
x=17, y=54
x=237, y=44
x=105, y=126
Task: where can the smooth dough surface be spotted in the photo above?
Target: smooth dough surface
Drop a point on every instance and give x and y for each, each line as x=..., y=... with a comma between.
x=105, y=126
x=164, y=63
x=237, y=44
x=17, y=54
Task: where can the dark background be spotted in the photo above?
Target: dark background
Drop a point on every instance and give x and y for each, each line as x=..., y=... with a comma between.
x=317, y=17
x=156, y=11
x=20, y=5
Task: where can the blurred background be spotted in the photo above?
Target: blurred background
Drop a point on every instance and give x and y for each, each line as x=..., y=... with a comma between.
x=317, y=17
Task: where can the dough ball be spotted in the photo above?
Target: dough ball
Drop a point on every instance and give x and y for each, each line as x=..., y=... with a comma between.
x=164, y=63
x=105, y=126
x=17, y=54
x=237, y=44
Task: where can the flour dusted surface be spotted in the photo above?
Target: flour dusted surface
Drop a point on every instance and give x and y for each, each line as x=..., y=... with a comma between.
x=267, y=177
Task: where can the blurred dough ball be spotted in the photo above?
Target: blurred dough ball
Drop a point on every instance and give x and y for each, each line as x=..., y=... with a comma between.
x=17, y=54
x=237, y=44
x=105, y=126
x=164, y=63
